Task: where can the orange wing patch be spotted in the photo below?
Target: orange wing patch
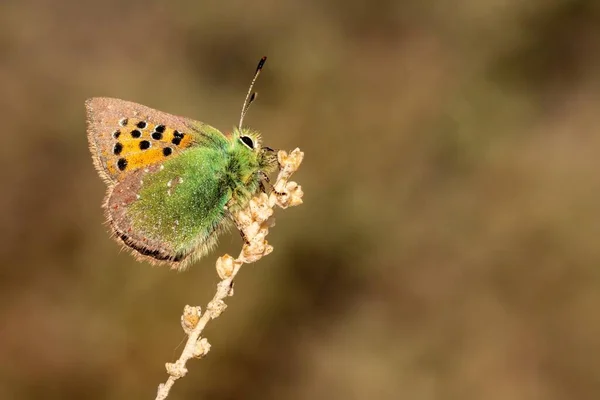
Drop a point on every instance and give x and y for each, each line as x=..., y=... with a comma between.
x=138, y=144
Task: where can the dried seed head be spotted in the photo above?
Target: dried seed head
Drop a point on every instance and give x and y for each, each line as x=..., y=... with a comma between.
x=202, y=348
x=225, y=266
x=190, y=317
x=176, y=370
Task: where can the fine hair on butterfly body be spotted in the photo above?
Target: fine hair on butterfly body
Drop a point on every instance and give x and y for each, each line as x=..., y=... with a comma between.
x=173, y=181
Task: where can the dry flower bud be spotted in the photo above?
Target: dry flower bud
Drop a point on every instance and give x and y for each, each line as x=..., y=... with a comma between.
x=268, y=249
x=202, y=348
x=251, y=231
x=260, y=209
x=255, y=251
x=225, y=266
x=189, y=319
x=243, y=218
x=290, y=161
x=176, y=370
x=296, y=194
x=282, y=157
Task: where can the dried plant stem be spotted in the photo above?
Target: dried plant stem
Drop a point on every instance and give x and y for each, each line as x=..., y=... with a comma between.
x=253, y=222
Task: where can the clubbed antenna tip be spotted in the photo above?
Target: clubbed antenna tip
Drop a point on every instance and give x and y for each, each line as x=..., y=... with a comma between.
x=260, y=64
x=251, y=96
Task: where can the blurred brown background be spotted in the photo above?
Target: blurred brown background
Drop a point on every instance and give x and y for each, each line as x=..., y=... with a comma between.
x=449, y=243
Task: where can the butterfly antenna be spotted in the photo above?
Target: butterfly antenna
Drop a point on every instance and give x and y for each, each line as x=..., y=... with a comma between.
x=251, y=96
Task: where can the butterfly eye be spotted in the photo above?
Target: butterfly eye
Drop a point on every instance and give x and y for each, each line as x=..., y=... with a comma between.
x=247, y=141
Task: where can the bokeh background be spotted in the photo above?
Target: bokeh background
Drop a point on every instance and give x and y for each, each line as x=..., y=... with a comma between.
x=449, y=244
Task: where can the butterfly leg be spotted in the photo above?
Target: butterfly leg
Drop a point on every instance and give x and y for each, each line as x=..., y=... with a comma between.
x=243, y=236
x=265, y=179
x=262, y=187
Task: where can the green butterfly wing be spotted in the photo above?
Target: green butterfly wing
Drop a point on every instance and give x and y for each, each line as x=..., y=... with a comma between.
x=174, y=211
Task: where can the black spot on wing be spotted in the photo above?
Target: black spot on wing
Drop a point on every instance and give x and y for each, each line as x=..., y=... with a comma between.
x=117, y=149
x=122, y=164
x=157, y=135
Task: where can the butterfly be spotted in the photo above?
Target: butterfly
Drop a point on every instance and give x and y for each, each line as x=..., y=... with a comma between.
x=173, y=182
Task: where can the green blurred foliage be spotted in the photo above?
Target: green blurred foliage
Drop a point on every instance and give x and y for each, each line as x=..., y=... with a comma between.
x=448, y=244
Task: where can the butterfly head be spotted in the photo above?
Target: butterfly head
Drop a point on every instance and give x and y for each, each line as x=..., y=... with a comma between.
x=251, y=142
